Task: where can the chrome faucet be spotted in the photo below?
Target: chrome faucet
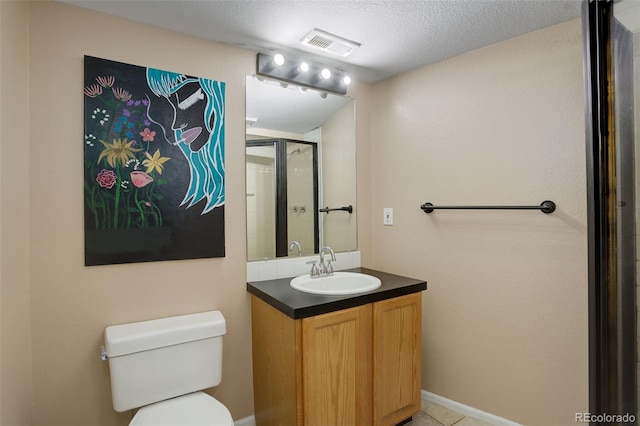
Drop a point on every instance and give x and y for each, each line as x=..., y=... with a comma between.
x=295, y=244
x=326, y=269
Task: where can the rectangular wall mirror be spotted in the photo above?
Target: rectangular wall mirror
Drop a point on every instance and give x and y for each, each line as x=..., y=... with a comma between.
x=301, y=170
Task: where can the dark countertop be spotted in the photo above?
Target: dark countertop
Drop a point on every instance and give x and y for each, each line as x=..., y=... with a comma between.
x=297, y=304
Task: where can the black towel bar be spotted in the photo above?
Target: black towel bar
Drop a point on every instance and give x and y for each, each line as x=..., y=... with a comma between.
x=545, y=207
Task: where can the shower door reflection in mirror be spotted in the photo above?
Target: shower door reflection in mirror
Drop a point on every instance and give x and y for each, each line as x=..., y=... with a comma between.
x=282, y=190
x=302, y=203
x=261, y=201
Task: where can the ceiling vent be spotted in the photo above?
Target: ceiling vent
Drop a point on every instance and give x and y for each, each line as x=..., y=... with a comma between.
x=331, y=43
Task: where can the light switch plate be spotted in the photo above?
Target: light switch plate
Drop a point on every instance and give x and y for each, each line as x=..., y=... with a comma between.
x=387, y=219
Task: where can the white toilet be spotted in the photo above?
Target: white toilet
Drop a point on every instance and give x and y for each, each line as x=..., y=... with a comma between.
x=162, y=365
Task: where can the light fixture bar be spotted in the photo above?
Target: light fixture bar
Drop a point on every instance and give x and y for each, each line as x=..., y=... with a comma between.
x=293, y=72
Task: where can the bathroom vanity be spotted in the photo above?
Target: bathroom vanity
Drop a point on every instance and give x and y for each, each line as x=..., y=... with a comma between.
x=336, y=360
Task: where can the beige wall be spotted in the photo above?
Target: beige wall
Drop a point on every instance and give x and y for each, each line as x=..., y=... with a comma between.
x=15, y=324
x=505, y=314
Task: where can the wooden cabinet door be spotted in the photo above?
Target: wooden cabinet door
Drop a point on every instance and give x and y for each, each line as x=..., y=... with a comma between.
x=277, y=364
x=336, y=364
x=396, y=358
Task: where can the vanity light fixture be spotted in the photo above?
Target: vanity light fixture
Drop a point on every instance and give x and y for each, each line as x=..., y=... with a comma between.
x=278, y=59
x=325, y=74
x=302, y=73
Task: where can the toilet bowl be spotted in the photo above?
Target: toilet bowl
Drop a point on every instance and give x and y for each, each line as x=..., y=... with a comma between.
x=197, y=408
x=160, y=367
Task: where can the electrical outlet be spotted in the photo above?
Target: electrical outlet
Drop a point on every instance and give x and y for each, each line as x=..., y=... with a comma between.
x=387, y=219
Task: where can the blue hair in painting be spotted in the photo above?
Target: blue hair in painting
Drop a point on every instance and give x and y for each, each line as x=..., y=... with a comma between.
x=207, y=163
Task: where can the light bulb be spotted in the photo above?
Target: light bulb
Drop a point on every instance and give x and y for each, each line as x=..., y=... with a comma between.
x=304, y=67
x=278, y=59
x=346, y=80
x=325, y=73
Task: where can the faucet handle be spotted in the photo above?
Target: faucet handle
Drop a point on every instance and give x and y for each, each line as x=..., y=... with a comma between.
x=315, y=272
x=329, y=268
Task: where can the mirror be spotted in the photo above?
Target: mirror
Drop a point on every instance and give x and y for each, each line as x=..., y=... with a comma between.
x=301, y=170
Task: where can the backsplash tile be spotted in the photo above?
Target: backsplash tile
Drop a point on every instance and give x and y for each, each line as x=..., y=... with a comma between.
x=268, y=270
x=253, y=271
x=272, y=269
x=285, y=268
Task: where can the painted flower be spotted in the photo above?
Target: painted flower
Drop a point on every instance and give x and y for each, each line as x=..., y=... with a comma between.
x=120, y=150
x=140, y=179
x=147, y=135
x=154, y=162
x=121, y=94
x=106, y=178
x=106, y=81
x=93, y=90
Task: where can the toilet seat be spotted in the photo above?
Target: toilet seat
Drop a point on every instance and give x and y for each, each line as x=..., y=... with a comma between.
x=194, y=409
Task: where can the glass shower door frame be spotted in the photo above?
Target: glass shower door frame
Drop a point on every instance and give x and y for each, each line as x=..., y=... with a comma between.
x=282, y=204
x=611, y=212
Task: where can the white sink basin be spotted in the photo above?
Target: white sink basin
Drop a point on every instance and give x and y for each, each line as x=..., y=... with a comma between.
x=337, y=284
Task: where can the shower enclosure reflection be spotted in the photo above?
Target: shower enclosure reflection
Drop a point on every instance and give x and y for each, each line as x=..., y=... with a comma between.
x=282, y=188
x=300, y=157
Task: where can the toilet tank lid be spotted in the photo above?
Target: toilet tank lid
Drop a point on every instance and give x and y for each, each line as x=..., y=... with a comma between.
x=126, y=339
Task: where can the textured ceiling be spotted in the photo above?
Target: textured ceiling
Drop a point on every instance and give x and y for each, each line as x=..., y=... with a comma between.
x=396, y=36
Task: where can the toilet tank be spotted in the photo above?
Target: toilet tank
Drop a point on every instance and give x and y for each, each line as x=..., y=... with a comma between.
x=151, y=361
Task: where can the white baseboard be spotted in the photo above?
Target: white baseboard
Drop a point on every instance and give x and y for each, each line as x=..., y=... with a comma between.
x=247, y=421
x=466, y=410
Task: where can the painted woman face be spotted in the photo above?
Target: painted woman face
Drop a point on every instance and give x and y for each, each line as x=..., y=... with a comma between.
x=182, y=116
x=190, y=113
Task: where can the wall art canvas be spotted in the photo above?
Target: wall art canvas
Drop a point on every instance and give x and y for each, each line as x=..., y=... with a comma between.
x=153, y=164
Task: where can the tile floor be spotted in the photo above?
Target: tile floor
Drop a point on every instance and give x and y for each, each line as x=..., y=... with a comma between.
x=437, y=415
